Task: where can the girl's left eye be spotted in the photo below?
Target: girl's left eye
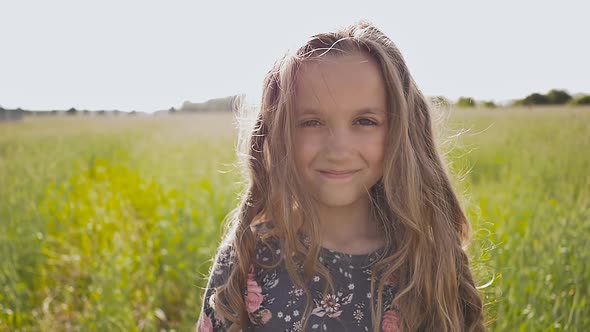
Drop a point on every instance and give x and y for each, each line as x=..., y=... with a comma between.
x=366, y=122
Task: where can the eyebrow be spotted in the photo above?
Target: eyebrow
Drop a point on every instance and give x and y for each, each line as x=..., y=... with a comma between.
x=362, y=111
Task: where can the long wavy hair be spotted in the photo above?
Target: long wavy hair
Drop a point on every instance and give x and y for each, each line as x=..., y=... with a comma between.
x=425, y=227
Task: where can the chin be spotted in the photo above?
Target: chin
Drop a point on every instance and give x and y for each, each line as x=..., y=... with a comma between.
x=338, y=200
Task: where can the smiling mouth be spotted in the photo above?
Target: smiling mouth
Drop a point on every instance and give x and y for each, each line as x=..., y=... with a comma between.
x=338, y=175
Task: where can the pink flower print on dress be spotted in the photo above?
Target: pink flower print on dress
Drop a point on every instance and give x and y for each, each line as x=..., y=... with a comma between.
x=254, y=292
x=331, y=305
x=390, y=321
x=204, y=324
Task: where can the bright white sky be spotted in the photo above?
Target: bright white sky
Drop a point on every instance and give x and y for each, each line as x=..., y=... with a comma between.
x=152, y=55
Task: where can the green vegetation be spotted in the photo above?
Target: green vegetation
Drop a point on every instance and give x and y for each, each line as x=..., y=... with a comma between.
x=440, y=102
x=464, y=102
x=553, y=97
x=488, y=104
x=109, y=223
x=530, y=202
x=468, y=102
x=581, y=100
x=558, y=97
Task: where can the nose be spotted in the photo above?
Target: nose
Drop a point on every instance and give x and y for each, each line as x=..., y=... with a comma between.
x=339, y=143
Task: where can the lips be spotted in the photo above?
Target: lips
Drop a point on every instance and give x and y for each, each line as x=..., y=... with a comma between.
x=338, y=174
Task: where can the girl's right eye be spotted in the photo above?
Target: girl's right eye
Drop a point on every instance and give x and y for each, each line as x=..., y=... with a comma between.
x=310, y=123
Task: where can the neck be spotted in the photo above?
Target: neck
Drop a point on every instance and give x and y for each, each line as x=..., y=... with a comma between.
x=350, y=228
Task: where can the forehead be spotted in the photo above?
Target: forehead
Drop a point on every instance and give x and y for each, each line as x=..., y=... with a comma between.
x=344, y=82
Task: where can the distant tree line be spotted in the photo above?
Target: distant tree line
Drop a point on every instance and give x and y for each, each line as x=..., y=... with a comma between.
x=553, y=97
x=462, y=102
x=11, y=115
x=225, y=104
x=230, y=104
x=8, y=114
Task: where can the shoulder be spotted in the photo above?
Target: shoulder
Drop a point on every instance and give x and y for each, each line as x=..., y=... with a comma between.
x=223, y=264
x=209, y=318
x=259, y=277
x=267, y=251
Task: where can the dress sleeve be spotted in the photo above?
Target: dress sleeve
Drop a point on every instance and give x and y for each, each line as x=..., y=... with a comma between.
x=209, y=320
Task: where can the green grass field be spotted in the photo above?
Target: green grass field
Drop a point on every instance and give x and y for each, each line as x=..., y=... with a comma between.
x=109, y=223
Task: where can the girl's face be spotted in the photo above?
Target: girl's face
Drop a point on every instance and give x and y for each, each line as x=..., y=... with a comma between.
x=341, y=127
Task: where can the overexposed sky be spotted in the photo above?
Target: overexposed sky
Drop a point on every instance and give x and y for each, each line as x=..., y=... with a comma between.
x=152, y=55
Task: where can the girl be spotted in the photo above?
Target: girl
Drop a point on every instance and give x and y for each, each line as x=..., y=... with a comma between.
x=349, y=221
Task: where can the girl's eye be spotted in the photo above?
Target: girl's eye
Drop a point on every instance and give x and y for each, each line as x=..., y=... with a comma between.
x=366, y=122
x=310, y=123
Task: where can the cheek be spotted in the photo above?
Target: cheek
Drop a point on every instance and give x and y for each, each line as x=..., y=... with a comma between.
x=305, y=149
x=375, y=156
x=302, y=153
x=375, y=150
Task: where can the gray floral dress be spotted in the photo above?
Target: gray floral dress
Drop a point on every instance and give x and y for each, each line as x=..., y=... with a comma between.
x=274, y=303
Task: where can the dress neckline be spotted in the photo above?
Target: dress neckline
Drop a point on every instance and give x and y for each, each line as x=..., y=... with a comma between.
x=354, y=261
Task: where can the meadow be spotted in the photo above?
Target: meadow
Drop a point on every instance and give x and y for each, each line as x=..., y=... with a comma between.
x=110, y=222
